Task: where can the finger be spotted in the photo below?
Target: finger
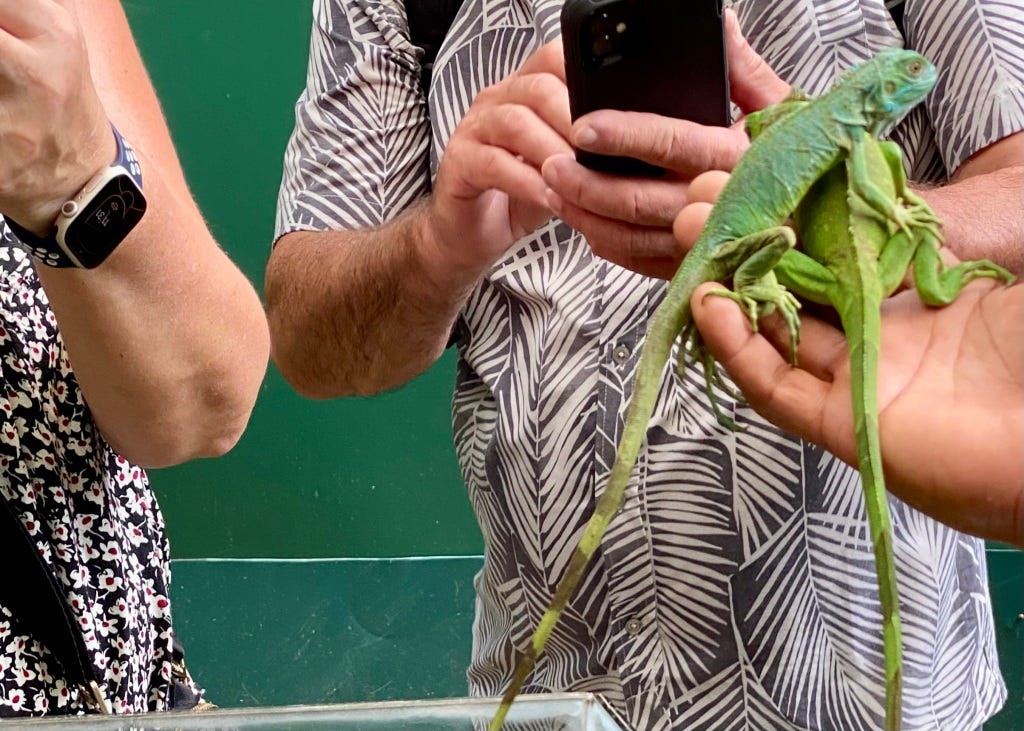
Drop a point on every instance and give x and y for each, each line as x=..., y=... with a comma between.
x=470, y=169
x=548, y=59
x=707, y=186
x=788, y=397
x=689, y=223
x=520, y=131
x=653, y=202
x=753, y=84
x=543, y=93
x=684, y=147
x=651, y=251
x=25, y=18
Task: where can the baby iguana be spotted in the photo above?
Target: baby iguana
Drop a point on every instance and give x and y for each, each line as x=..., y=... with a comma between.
x=743, y=240
x=860, y=228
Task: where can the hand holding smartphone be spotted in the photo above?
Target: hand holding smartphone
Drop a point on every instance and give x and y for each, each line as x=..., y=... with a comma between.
x=665, y=57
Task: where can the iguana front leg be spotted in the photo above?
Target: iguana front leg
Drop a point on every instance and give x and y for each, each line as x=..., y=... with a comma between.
x=755, y=286
x=869, y=199
x=758, y=293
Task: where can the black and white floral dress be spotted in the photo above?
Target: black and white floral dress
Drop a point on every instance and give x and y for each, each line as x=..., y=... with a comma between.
x=92, y=514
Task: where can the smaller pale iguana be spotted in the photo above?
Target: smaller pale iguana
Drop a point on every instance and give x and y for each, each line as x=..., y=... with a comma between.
x=744, y=238
x=860, y=228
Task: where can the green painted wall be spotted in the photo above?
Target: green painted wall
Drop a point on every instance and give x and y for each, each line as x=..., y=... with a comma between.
x=308, y=479
x=352, y=478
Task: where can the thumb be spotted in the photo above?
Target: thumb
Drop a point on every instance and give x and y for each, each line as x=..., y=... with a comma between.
x=722, y=325
x=752, y=82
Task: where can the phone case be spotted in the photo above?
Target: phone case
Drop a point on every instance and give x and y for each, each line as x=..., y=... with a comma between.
x=661, y=56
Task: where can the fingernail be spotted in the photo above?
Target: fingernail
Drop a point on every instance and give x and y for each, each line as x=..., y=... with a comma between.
x=550, y=173
x=585, y=136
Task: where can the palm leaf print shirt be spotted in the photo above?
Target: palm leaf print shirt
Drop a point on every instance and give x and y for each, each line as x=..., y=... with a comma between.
x=735, y=589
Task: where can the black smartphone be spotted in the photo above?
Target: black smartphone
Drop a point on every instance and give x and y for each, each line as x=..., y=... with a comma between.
x=661, y=56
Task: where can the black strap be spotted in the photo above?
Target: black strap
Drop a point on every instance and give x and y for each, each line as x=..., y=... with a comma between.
x=33, y=595
x=429, y=21
x=895, y=8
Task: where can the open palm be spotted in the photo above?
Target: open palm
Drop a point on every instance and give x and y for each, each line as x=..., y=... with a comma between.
x=950, y=397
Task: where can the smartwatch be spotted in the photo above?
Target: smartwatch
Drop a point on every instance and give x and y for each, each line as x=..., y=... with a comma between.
x=91, y=225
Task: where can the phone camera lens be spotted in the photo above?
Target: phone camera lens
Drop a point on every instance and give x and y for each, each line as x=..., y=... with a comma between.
x=608, y=35
x=602, y=45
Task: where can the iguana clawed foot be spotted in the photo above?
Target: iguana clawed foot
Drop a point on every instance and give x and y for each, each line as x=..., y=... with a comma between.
x=763, y=297
x=691, y=347
x=757, y=298
x=911, y=214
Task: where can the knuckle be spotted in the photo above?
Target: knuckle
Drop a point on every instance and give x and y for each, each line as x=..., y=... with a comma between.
x=536, y=90
x=544, y=84
x=673, y=142
x=509, y=119
x=636, y=205
x=487, y=96
x=60, y=22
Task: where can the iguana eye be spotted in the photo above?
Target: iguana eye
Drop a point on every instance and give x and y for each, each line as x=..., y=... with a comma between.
x=915, y=68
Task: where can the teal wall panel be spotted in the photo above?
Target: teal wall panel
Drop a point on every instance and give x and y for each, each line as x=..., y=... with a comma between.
x=1006, y=585
x=270, y=633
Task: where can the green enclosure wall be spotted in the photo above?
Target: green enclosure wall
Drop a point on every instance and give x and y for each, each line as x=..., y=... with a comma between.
x=308, y=478
x=326, y=494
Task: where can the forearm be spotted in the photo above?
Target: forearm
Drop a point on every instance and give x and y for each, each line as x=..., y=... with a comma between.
x=166, y=338
x=980, y=207
x=359, y=312
x=981, y=217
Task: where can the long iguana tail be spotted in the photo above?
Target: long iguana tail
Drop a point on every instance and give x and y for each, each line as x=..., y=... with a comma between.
x=862, y=315
x=666, y=324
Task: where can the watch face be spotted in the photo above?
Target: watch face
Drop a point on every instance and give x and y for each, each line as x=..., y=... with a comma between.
x=104, y=222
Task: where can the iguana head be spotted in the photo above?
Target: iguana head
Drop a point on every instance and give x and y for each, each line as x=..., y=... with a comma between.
x=895, y=80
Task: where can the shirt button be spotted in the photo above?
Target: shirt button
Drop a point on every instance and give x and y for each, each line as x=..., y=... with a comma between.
x=633, y=626
x=620, y=355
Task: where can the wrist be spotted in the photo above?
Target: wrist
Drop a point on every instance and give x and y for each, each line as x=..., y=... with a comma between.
x=92, y=223
x=437, y=259
x=39, y=213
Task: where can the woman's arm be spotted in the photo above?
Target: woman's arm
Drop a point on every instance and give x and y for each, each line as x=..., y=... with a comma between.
x=167, y=337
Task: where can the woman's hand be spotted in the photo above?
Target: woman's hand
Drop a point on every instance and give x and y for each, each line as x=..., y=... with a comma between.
x=54, y=133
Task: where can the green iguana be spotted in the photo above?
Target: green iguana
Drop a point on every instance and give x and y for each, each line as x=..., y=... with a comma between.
x=744, y=238
x=860, y=228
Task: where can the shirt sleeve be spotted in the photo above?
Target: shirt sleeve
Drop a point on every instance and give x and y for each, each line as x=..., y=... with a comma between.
x=978, y=47
x=359, y=152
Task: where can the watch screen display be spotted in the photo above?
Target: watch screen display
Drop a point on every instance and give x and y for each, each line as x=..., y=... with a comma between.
x=105, y=221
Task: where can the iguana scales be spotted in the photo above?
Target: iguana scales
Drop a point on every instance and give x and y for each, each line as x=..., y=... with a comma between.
x=860, y=229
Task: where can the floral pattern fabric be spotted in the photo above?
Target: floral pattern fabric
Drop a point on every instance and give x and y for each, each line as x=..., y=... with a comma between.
x=92, y=514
